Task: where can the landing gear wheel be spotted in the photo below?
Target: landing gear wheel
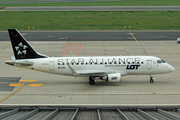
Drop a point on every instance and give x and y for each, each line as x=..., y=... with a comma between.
x=178, y=42
x=151, y=80
x=91, y=82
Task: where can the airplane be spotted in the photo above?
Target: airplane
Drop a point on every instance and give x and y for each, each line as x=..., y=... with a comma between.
x=106, y=68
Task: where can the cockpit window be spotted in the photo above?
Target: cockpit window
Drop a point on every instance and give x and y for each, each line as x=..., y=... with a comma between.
x=160, y=61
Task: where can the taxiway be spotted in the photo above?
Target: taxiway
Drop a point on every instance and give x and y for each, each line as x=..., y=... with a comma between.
x=32, y=87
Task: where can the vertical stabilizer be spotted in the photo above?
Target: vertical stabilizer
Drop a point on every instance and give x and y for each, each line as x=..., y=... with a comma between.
x=22, y=49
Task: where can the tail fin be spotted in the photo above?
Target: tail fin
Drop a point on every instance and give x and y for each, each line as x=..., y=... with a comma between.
x=22, y=49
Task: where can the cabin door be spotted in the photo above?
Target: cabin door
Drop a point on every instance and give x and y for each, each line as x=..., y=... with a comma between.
x=51, y=65
x=149, y=64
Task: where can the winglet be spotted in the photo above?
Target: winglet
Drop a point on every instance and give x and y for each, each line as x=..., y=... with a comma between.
x=72, y=54
x=73, y=72
x=13, y=57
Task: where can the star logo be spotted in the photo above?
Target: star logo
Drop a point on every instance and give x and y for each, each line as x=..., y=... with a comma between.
x=21, y=49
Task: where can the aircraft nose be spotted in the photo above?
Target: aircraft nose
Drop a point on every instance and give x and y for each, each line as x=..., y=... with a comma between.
x=171, y=68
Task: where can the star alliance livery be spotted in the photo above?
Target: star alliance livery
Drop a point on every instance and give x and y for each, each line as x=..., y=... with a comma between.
x=106, y=68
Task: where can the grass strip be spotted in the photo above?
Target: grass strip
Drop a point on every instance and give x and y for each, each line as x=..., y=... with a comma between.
x=102, y=3
x=115, y=20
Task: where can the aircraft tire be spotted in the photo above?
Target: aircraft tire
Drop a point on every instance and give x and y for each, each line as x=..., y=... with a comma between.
x=178, y=42
x=151, y=81
x=91, y=82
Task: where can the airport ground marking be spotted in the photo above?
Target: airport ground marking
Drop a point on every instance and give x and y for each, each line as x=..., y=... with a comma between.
x=11, y=94
x=80, y=48
x=16, y=84
x=63, y=48
x=28, y=80
x=5, y=8
x=5, y=47
x=24, y=34
x=35, y=85
x=138, y=43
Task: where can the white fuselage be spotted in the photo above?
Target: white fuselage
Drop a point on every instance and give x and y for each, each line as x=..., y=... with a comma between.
x=125, y=65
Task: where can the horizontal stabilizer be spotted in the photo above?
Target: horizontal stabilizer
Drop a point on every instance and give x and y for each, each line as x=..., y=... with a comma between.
x=12, y=62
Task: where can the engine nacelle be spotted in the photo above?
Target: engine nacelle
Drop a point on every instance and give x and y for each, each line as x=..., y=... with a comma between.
x=115, y=77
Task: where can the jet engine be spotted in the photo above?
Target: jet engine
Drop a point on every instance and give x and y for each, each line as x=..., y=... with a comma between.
x=115, y=77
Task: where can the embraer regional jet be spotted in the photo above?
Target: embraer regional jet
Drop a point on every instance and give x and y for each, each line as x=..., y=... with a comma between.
x=107, y=68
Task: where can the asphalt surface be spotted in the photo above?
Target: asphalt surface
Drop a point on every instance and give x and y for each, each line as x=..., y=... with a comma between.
x=95, y=35
x=96, y=8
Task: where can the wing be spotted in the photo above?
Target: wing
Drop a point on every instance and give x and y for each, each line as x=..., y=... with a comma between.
x=88, y=72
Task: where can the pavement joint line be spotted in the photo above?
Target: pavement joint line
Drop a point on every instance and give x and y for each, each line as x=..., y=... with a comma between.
x=5, y=8
x=11, y=94
x=134, y=76
x=173, y=75
x=5, y=47
x=138, y=43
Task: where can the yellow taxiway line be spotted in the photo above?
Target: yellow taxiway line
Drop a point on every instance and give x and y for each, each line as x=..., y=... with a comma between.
x=5, y=8
x=16, y=84
x=4, y=47
x=138, y=43
x=27, y=80
x=35, y=85
x=11, y=94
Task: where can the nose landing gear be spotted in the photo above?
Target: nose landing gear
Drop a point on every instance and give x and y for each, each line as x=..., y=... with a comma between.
x=151, y=79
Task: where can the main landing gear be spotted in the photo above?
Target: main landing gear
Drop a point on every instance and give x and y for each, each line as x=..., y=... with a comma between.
x=91, y=80
x=151, y=79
